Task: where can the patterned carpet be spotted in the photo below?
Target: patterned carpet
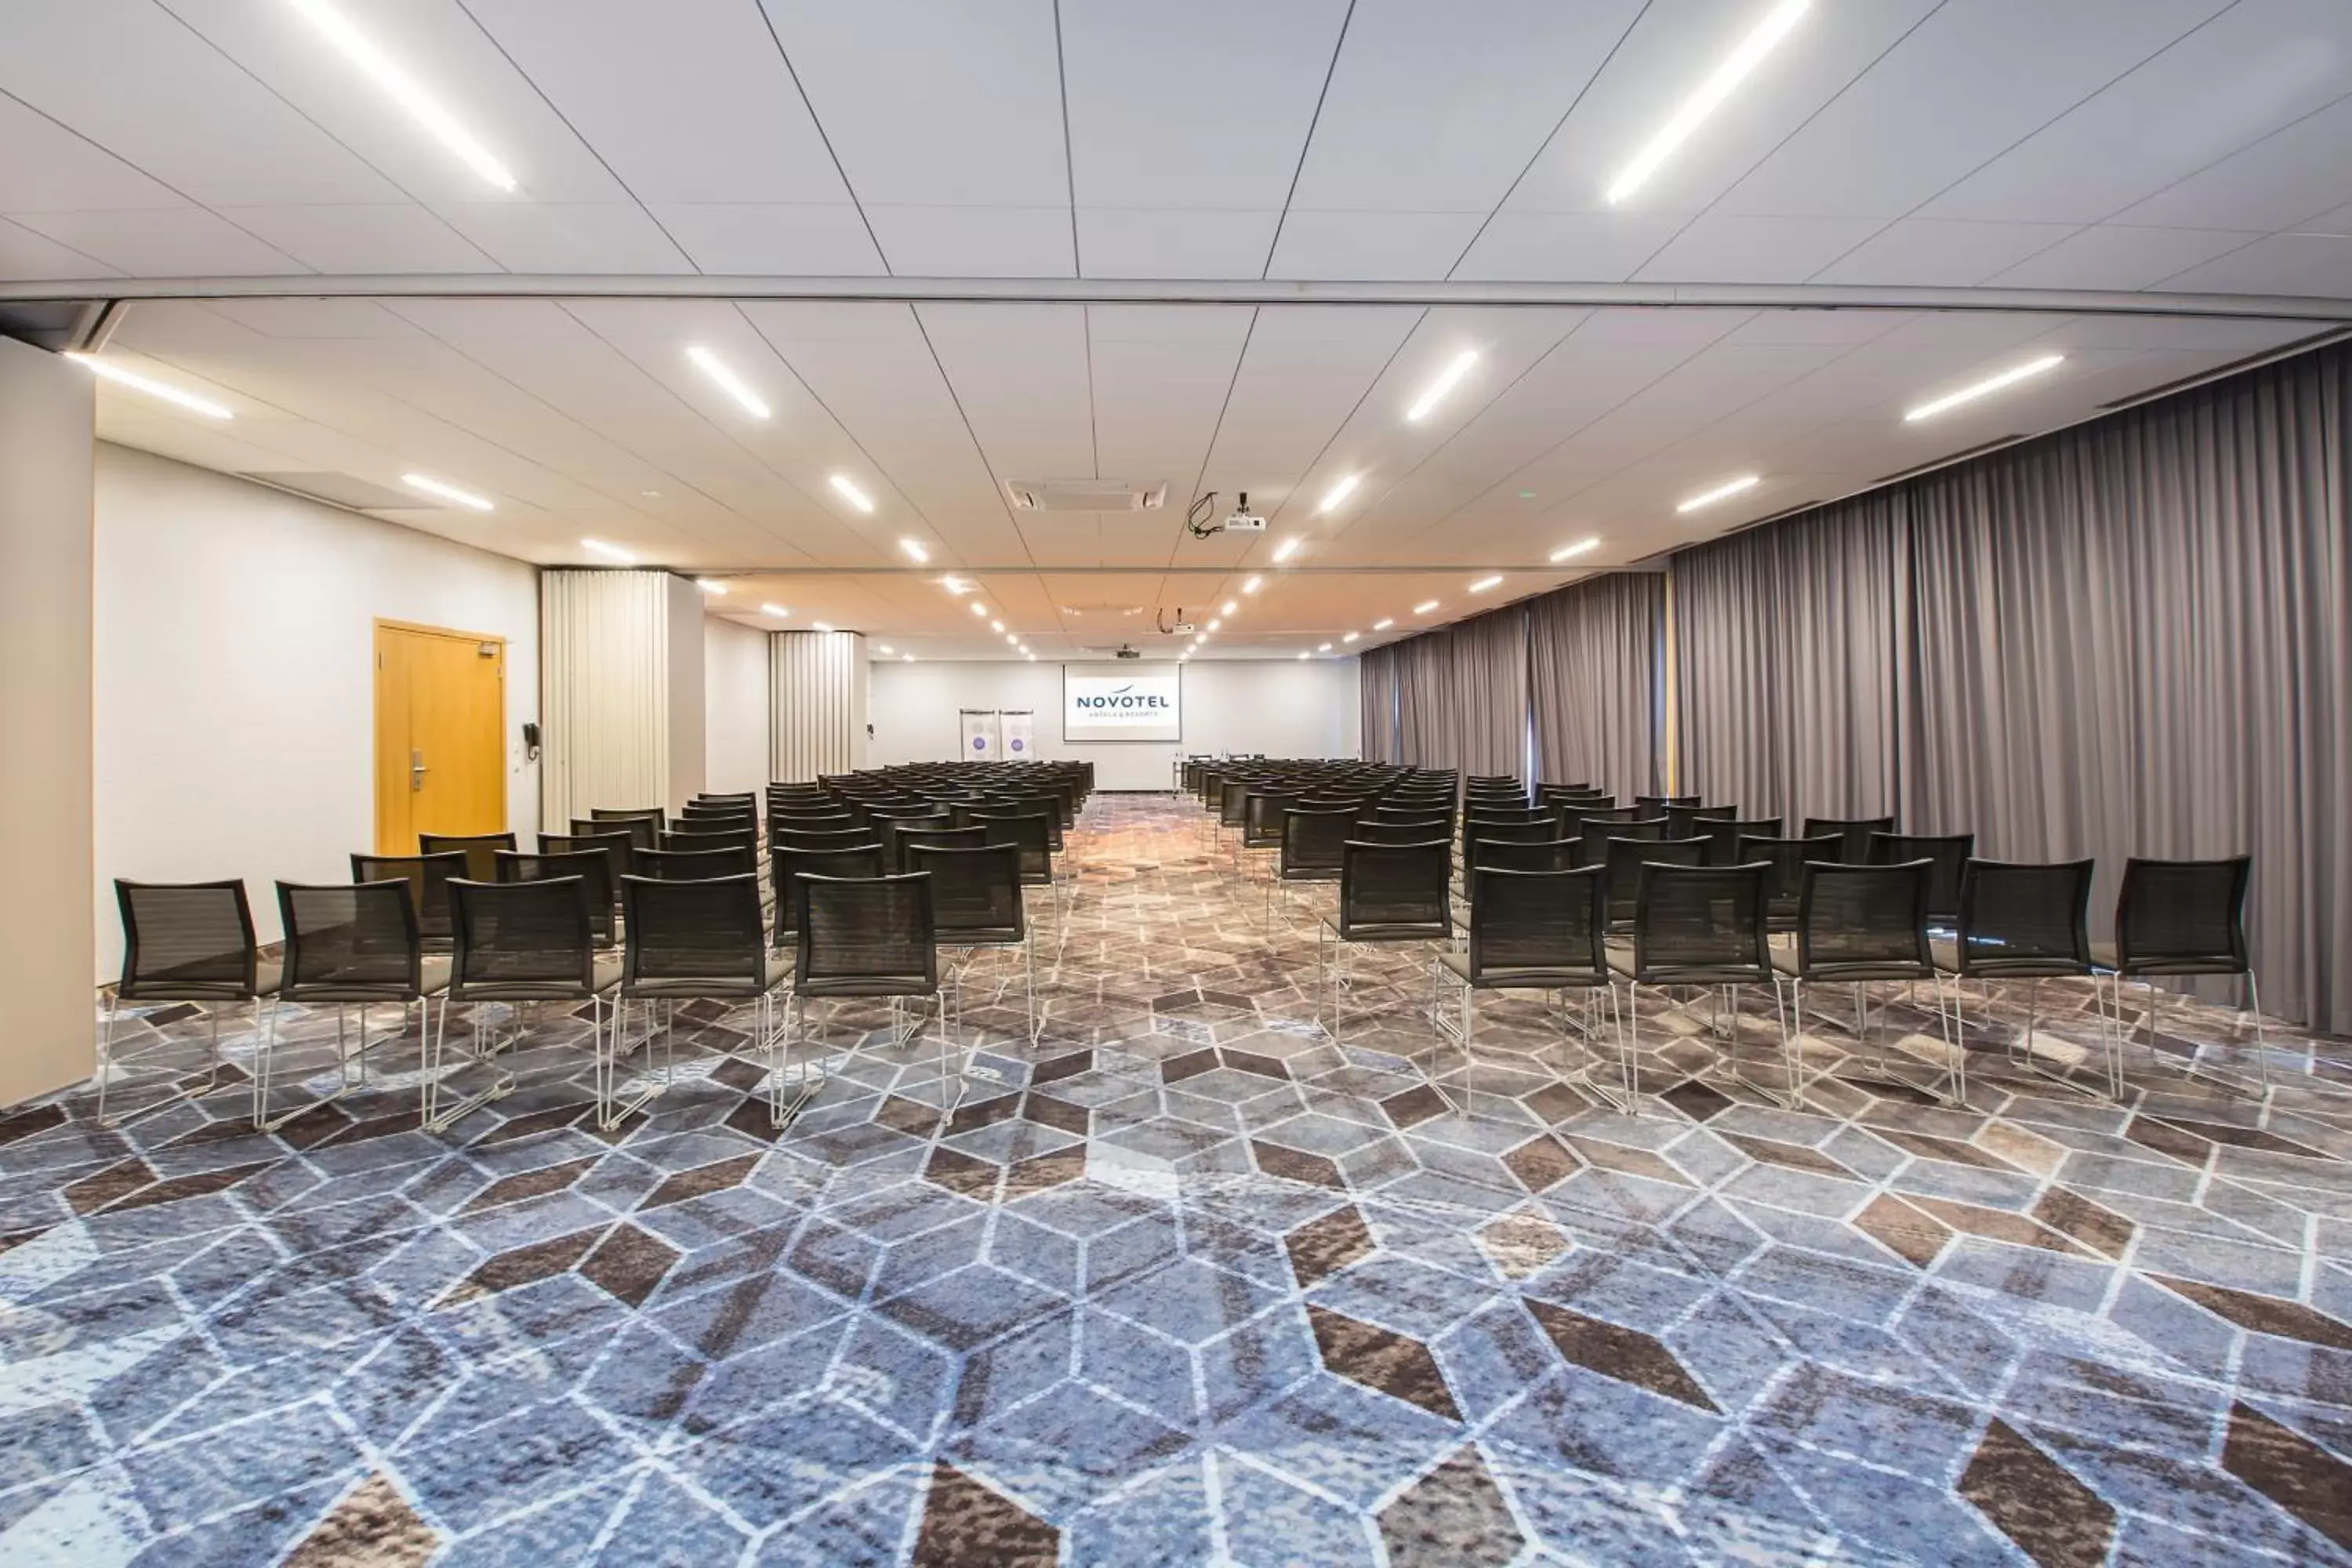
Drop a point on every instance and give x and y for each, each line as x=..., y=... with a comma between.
x=1186, y=1281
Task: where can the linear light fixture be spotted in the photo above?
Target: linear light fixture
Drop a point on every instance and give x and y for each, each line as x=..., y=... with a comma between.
x=1446, y=382
x=1253, y=586
x=1352, y=636
x=820, y=626
x=1233, y=606
x=883, y=648
x=1721, y=492
x=405, y=91
x=906, y=658
x=710, y=585
x=1719, y=85
x=846, y=489
x=1325, y=649
x=955, y=584
x=776, y=610
x=609, y=551
x=978, y=608
x=733, y=385
x=1012, y=637
x=434, y=487
x=1425, y=606
x=1384, y=623
x=1286, y=549
x=1339, y=492
x=1215, y=622
x=996, y=625
x=1031, y=656
x=172, y=394
x=1490, y=581
x=1305, y=654
x=1990, y=383
x=1570, y=552
x=915, y=550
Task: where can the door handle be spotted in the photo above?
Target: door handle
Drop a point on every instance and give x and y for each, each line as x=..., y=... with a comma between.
x=416, y=770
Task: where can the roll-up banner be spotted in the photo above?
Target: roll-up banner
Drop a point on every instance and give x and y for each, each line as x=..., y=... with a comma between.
x=980, y=734
x=1020, y=734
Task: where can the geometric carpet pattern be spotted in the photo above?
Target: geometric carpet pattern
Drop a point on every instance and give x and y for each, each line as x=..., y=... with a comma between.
x=1190, y=1279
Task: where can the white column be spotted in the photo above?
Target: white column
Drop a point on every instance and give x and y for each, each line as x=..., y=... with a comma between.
x=622, y=653
x=48, y=909
x=818, y=682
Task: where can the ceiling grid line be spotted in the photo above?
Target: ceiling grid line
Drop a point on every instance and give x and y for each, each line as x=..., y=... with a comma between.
x=1338, y=45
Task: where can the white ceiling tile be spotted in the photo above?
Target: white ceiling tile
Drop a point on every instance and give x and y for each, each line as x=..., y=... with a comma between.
x=2258, y=66
x=543, y=236
x=1375, y=245
x=1964, y=86
x=364, y=240
x=309, y=318
x=699, y=109
x=973, y=242
x=2275, y=183
x=1939, y=253
x=1573, y=247
x=178, y=242
x=1173, y=242
x=1438, y=108
x=2337, y=221
x=1815, y=326
x=1021, y=375
x=49, y=168
x=1729, y=247
x=30, y=257
x=2319, y=264
x=771, y=239
x=1133, y=69
x=2119, y=255
x=935, y=102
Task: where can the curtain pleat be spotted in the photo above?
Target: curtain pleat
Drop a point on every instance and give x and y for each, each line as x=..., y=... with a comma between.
x=604, y=638
x=1376, y=671
x=817, y=681
x=1592, y=670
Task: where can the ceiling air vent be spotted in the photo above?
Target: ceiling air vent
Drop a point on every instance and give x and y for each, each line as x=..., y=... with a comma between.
x=1085, y=495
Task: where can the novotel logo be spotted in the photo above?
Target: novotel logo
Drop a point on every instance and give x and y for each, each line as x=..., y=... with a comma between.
x=1125, y=699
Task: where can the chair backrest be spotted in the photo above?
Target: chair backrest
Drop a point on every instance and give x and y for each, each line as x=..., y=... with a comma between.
x=2183, y=916
x=1686, y=821
x=906, y=838
x=975, y=889
x=830, y=839
x=1313, y=843
x=1534, y=855
x=1622, y=860
x=787, y=861
x=696, y=865
x=592, y=866
x=1032, y=833
x=1869, y=922
x=727, y=812
x=1947, y=854
x=524, y=935
x=480, y=850
x=1477, y=836
x=870, y=936
x=745, y=798
x=810, y=821
x=683, y=934
x=643, y=832
x=350, y=937
x=1853, y=834
x=711, y=838
x=1396, y=832
x=617, y=847
x=1700, y=925
x=1262, y=810
x=1233, y=794
x=2025, y=917
x=427, y=877
x=1723, y=836
x=1656, y=805
x=1596, y=833
x=186, y=942
x=1396, y=890
x=1784, y=861
x=1551, y=920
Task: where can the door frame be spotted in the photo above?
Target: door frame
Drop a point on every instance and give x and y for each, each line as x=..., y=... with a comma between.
x=380, y=625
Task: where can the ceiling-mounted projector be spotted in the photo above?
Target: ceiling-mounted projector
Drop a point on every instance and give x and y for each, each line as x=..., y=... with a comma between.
x=1124, y=651
x=1241, y=519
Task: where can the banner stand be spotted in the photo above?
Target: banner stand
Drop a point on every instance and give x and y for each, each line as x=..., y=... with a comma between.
x=980, y=736
x=1019, y=734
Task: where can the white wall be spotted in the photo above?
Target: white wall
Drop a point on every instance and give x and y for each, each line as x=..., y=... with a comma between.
x=234, y=688
x=1283, y=707
x=735, y=715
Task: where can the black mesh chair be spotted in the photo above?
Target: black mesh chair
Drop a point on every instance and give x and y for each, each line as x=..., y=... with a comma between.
x=1621, y=862
x=1262, y=809
x=1313, y=846
x=1597, y=831
x=1859, y=926
x=1785, y=860
x=348, y=945
x=696, y=865
x=519, y=943
x=1947, y=856
x=616, y=848
x=1702, y=927
x=976, y=902
x=2180, y=920
x=1478, y=835
x=1853, y=834
x=1388, y=892
x=427, y=877
x=854, y=861
x=783, y=821
x=1690, y=821
x=1539, y=930
x=1658, y=805
x=1393, y=833
x=1032, y=833
x=865, y=939
x=887, y=832
x=182, y=941
x=697, y=837
x=1723, y=836
x=690, y=941
x=905, y=839
x=594, y=869
x=643, y=832
x=480, y=850
x=826, y=838
x=1536, y=854
x=734, y=800
x=2028, y=921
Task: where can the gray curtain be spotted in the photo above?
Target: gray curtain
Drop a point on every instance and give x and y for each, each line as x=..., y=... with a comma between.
x=1376, y=682
x=1425, y=735
x=1788, y=645
x=1487, y=687
x=1592, y=675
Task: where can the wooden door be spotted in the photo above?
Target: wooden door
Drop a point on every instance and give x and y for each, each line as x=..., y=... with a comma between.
x=440, y=734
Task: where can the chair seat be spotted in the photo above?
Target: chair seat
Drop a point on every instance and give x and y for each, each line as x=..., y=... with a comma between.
x=866, y=985
x=776, y=969
x=603, y=974
x=1524, y=979
x=1308, y=874
x=979, y=936
x=433, y=977
x=265, y=977
x=1407, y=930
x=1947, y=960
x=1784, y=962
x=1621, y=961
x=2103, y=956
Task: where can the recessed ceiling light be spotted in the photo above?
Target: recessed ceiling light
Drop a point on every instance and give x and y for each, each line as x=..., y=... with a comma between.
x=846, y=489
x=822, y=626
x=883, y=648
x=1425, y=606
x=1352, y=636
x=1339, y=492
x=609, y=551
x=1384, y=623
x=915, y=550
x=1286, y=549
x=1325, y=649
x=955, y=584
x=712, y=365
x=655, y=495
x=1445, y=383
x=433, y=487
x=133, y=379
x=405, y=91
x=1214, y=624
x=1483, y=583
x=1708, y=98
x=2009, y=377
x=906, y=658
x=776, y=610
x=1304, y=654
x=1526, y=495
x=710, y=585
x=1720, y=493
x=1012, y=637
x=978, y=608
x=1253, y=586
x=1233, y=607
x=996, y=625
x=1570, y=552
